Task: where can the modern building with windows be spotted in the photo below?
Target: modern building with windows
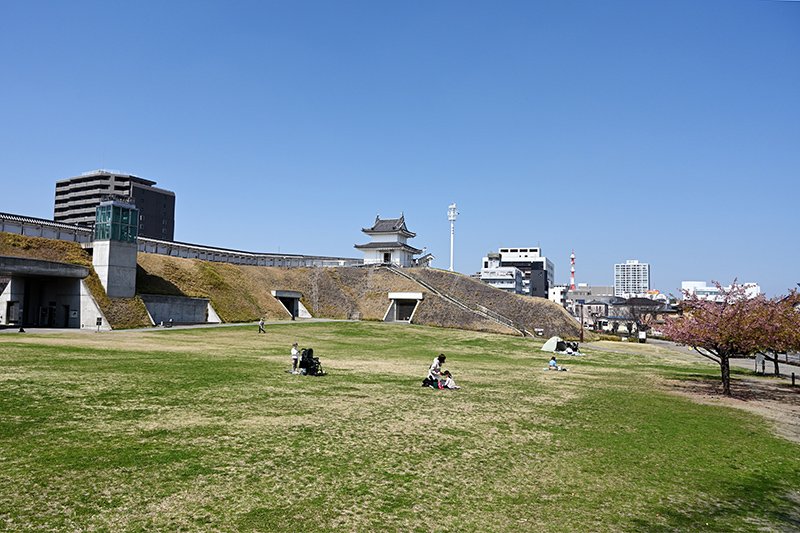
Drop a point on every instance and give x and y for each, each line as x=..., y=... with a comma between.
x=558, y=294
x=711, y=292
x=77, y=198
x=504, y=278
x=538, y=272
x=631, y=278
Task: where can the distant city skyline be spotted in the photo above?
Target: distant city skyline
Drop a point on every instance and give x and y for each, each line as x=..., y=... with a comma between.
x=666, y=133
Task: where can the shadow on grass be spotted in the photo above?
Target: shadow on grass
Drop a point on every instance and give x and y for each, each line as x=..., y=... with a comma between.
x=147, y=283
x=760, y=501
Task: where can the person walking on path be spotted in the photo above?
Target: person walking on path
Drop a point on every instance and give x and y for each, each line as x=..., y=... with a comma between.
x=261, y=326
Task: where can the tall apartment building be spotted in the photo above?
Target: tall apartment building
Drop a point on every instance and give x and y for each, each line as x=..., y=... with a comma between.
x=631, y=278
x=538, y=272
x=77, y=199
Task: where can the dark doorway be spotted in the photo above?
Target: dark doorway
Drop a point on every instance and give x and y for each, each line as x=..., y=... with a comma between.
x=290, y=304
x=404, y=309
x=387, y=257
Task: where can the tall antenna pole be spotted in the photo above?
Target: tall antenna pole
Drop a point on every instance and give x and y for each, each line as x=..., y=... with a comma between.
x=572, y=273
x=451, y=216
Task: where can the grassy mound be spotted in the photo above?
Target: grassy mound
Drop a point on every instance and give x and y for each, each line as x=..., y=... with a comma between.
x=242, y=293
x=526, y=312
x=120, y=312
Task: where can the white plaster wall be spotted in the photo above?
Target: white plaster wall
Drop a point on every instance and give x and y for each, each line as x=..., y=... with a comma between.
x=213, y=317
x=404, y=259
x=399, y=257
x=388, y=238
x=302, y=312
x=371, y=256
x=5, y=297
x=15, y=292
x=90, y=311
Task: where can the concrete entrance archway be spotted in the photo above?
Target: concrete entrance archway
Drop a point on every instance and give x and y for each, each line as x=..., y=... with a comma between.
x=402, y=307
x=291, y=302
x=37, y=293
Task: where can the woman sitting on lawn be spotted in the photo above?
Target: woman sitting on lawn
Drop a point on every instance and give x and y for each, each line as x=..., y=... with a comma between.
x=435, y=373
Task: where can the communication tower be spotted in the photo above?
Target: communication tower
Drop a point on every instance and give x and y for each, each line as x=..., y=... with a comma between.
x=451, y=216
x=572, y=271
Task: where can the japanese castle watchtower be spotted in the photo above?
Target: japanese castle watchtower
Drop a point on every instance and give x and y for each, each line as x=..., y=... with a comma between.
x=389, y=244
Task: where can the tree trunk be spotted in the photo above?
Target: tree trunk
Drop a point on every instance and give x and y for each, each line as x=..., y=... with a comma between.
x=725, y=367
x=774, y=359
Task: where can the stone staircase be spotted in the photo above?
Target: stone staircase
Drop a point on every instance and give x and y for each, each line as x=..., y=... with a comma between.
x=479, y=310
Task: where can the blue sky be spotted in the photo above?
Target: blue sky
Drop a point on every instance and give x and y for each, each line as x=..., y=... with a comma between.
x=667, y=132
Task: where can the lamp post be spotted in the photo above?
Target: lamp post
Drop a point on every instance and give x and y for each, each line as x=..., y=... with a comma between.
x=451, y=216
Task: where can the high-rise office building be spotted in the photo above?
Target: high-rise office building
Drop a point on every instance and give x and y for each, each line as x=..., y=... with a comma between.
x=631, y=278
x=77, y=199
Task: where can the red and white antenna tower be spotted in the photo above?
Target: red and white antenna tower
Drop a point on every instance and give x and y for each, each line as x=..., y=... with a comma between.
x=572, y=271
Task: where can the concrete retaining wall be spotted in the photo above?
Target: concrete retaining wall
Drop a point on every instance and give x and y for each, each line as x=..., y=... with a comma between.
x=181, y=309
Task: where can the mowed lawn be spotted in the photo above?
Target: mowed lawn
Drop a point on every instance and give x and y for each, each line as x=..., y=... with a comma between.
x=203, y=429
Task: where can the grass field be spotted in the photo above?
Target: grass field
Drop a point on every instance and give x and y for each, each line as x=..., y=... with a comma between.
x=203, y=430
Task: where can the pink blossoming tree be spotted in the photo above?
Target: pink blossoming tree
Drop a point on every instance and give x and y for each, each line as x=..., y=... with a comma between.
x=776, y=326
x=719, y=329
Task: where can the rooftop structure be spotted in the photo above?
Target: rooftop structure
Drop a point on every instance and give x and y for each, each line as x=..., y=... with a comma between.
x=389, y=243
x=77, y=198
x=39, y=227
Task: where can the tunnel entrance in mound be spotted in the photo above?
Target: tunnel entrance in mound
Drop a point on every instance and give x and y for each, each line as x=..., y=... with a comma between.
x=37, y=293
x=291, y=302
x=402, y=307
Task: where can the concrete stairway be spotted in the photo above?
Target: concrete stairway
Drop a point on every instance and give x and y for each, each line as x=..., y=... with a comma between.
x=478, y=309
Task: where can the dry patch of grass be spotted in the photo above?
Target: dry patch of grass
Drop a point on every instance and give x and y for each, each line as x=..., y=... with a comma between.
x=242, y=293
x=526, y=312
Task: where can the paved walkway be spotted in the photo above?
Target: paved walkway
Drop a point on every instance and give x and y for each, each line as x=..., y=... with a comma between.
x=40, y=331
x=785, y=369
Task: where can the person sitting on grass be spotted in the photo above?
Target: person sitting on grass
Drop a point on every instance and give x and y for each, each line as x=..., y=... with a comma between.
x=449, y=383
x=553, y=365
x=435, y=372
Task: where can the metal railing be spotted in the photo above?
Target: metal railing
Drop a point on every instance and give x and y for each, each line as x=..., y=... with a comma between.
x=477, y=309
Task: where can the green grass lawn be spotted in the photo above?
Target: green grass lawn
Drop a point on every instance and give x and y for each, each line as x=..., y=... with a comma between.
x=203, y=430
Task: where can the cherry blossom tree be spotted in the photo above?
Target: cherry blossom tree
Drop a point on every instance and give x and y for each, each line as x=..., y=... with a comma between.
x=776, y=326
x=719, y=329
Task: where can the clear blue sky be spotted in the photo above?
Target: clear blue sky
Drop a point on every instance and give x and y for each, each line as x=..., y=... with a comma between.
x=667, y=132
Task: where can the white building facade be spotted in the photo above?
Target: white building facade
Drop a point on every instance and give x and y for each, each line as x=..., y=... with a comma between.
x=558, y=294
x=631, y=279
x=538, y=272
x=711, y=292
x=504, y=278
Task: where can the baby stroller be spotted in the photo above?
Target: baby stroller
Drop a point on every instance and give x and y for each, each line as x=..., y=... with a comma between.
x=310, y=365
